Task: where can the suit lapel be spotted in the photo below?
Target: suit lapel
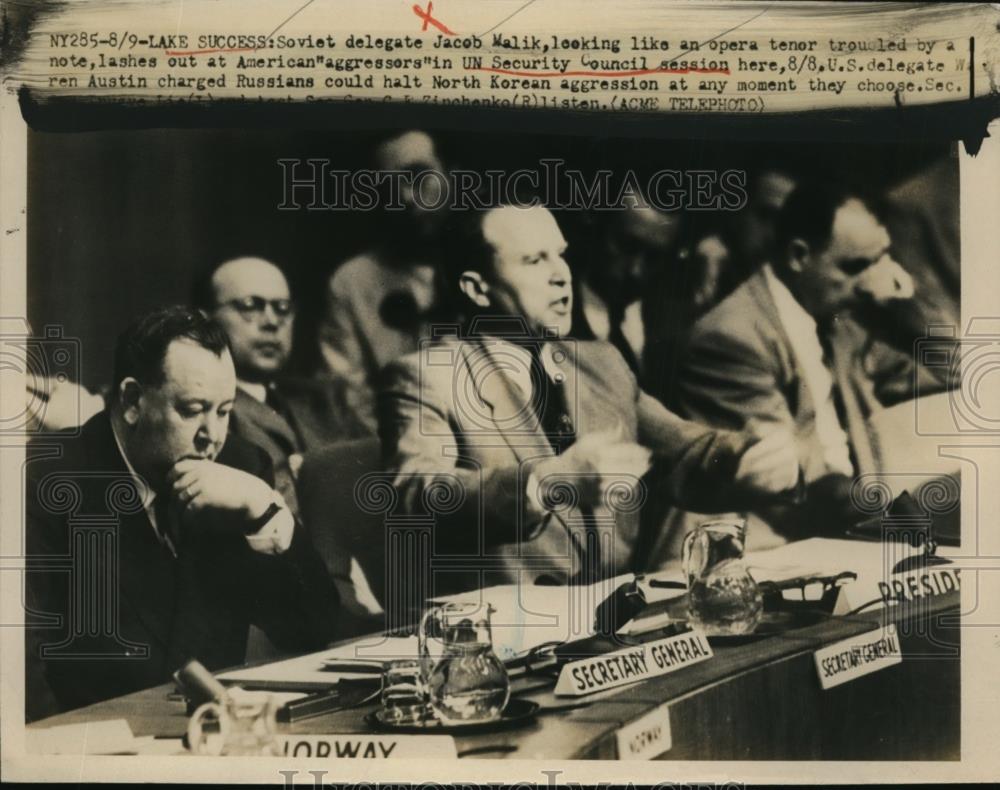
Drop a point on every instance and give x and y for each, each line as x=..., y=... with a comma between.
x=145, y=568
x=262, y=425
x=517, y=423
x=761, y=295
x=510, y=407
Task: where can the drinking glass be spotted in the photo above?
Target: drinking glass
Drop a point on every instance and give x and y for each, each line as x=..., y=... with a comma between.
x=404, y=693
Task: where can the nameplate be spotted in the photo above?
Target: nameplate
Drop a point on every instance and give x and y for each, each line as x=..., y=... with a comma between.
x=368, y=747
x=632, y=664
x=858, y=656
x=907, y=586
x=646, y=737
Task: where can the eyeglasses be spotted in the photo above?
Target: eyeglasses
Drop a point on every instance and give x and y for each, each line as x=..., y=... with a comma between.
x=254, y=307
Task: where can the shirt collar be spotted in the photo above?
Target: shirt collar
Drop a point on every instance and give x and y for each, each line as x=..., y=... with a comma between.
x=256, y=391
x=146, y=493
x=793, y=315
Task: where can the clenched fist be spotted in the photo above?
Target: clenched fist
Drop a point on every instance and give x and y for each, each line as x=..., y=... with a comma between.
x=771, y=466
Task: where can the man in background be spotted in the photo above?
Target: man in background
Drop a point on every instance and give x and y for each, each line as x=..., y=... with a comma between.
x=626, y=253
x=379, y=302
x=285, y=416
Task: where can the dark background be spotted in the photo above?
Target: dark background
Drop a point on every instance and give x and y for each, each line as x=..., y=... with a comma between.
x=121, y=221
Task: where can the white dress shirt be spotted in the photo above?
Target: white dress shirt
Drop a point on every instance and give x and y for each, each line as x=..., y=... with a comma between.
x=804, y=337
x=595, y=310
x=273, y=538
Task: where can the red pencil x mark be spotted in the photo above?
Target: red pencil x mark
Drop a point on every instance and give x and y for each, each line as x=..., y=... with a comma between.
x=428, y=19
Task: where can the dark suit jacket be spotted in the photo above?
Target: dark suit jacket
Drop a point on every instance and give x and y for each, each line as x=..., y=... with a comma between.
x=451, y=416
x=314, y=414
x=163, y=610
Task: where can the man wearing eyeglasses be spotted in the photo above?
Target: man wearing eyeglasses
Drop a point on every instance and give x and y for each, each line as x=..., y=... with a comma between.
x=283, y=415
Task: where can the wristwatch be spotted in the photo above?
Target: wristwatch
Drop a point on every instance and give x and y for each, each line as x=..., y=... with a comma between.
x=258, y=523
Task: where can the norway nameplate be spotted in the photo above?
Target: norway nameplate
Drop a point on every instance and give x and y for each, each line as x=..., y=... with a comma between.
x=369, y=747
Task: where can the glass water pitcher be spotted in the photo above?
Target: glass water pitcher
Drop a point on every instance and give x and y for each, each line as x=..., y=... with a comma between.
x=723, y=598
x=466, y=681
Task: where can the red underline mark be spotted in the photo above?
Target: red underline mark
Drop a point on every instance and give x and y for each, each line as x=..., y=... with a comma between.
x=428, y=19
x=175, y=53
x=634, y=73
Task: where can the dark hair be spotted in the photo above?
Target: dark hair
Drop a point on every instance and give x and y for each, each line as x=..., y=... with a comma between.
x=809, y=210
x=203, y=291
x=465, y=248
x=142, y=347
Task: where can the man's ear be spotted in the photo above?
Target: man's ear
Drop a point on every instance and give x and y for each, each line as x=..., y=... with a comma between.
x=475, y=288
x=129, y=393
x=798, y=255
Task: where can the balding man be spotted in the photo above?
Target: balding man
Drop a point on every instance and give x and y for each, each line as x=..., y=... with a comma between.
x=540, y=438
x=284, y=416
x=378, y=301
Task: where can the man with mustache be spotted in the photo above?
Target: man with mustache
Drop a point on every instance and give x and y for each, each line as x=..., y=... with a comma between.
x=177, y=538
x=528, y=447
x=283, y=415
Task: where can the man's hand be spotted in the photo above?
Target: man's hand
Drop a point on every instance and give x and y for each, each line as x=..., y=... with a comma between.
x=771, y=466
x=592, y=464
x=199, y=485
x=883, y=282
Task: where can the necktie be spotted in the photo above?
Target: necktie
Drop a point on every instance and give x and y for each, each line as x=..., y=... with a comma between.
x=553, y=414
x=839, y=360
x=616, y=318
x=167, y=521
x=279, y=405
x=550, y=406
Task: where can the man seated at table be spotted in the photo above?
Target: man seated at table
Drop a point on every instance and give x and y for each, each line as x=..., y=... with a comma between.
x=176, y=538
x=281, y=414
x=814, y=342
x=494, y=425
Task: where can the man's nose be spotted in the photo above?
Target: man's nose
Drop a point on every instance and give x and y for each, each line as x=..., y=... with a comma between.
x=270, y=318
x=212, y=430
x=560, y=275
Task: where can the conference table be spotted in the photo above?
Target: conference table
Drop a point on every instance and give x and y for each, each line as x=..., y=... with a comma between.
x=755, y=699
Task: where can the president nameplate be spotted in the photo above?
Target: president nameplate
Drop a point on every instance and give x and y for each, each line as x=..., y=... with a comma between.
x=632, y=664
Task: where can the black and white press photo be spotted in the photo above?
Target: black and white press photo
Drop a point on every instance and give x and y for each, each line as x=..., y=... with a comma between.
x=352, y=437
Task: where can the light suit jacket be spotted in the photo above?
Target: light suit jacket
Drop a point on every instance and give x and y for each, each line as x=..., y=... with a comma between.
x=739, y=369
x=462, y=440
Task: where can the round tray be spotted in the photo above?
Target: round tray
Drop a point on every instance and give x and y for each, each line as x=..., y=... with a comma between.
x=517, y=712
x=775, y=622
